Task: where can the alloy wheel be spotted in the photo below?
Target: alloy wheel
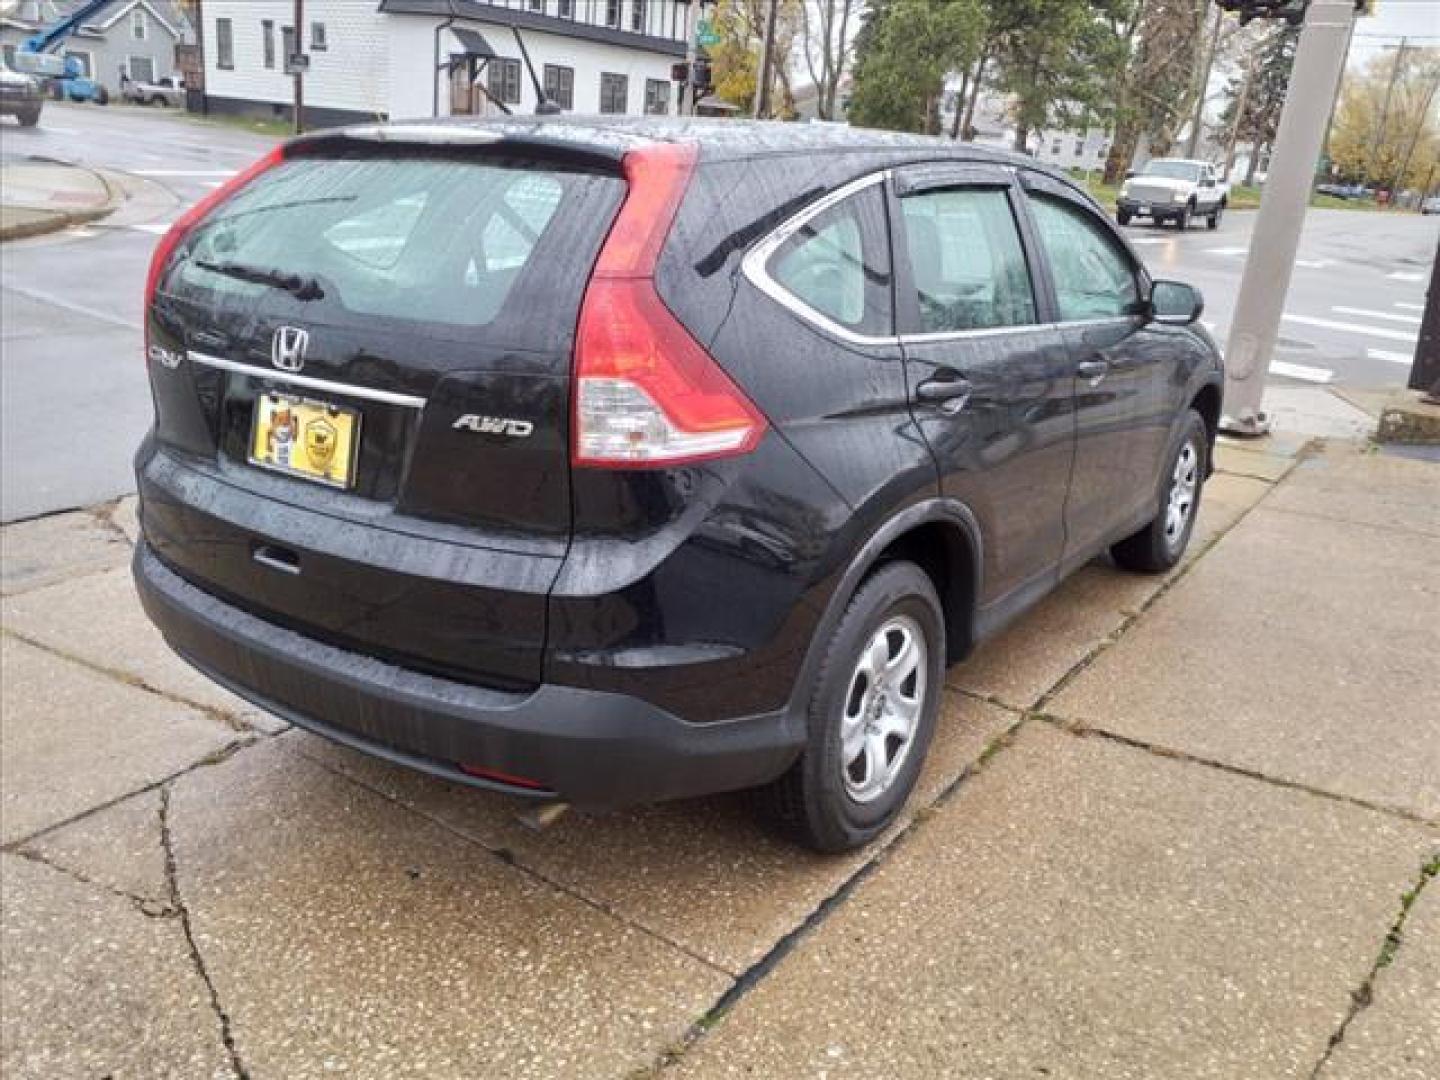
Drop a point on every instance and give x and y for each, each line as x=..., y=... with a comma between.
x=882, y=708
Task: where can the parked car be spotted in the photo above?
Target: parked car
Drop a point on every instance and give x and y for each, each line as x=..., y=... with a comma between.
x=619, y=462
x=20, y=97
x=1173, y=189
x=1430, y=205
x=166, y=90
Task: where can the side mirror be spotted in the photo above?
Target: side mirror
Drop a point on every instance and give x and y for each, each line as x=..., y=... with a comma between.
x=1175, y=304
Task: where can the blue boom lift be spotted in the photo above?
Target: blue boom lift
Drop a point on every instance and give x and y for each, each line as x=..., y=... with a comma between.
x=37, y=56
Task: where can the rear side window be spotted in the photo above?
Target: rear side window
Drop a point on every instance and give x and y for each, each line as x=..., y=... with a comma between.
x=434, y=240
x=966, y=260
x=837, y=264
x=1094, y=278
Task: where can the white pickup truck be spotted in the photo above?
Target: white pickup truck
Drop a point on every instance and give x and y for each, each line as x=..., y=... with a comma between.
x=1173, y=189
x=166, y=90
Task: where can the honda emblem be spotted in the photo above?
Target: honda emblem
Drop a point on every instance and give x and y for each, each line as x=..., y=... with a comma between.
x=287, y=348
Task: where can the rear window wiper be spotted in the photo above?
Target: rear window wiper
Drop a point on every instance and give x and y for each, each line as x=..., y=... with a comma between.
x=297, y=285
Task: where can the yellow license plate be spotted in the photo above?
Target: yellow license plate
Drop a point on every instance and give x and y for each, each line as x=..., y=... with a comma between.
x=306, y=438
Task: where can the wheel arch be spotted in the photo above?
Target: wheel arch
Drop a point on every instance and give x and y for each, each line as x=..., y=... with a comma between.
x=942, y=536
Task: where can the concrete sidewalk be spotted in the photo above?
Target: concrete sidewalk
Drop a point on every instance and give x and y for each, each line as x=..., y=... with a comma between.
x=38, y=197
x=1183, y=826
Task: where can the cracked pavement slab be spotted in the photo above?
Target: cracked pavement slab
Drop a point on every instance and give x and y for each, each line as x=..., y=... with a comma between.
x=73, y=740
x=118, y=847
x=1021, y=664
x=51, y=549
x=1397, y=1035
x=705, y=874
x=1248, y=663
x=98, y=619
x=1080, y=908
x=342, y=931
x=95, y=988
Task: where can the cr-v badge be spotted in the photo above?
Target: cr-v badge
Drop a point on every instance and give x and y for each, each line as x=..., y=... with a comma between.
x=494, y=425
x=287, y=348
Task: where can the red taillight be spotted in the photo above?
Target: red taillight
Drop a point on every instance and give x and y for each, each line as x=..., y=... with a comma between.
x=192, y=217
x=499, y=777
x=646, y=393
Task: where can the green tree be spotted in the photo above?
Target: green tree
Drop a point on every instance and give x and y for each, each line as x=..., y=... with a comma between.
x=903, y=52
x=1268, y=72
x=1060, y=60
x=1398, y=146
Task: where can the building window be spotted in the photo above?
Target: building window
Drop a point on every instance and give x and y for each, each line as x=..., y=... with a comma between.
x=537, y=5
x=1079, y=147
x=505, y=81
x=317, y=37
x=560, y=85
x=612, y=13
x=287, y=46
x=267, y=41
x=137, y=25
x=614, y=89
x=565, y=8
x=637, y=16
x=1055, y=148
x=657, y=97
x=142, y=69
x=224, y=44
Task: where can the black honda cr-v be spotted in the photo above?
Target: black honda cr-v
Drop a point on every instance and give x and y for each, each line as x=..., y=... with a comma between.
x=611, y=463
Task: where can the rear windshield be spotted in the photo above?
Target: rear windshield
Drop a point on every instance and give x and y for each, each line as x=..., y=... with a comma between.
x=436, y=240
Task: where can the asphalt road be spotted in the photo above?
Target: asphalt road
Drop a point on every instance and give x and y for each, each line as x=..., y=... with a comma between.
x=74, y=402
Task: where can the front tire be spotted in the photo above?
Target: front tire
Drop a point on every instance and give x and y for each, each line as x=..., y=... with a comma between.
x=1123, y=217
x=1182, y=220
x=870, y=716
x=1160, y=544
x=1213, y=221
x=28, y=119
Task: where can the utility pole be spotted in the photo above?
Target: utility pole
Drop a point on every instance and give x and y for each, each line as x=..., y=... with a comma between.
x=767, y=47
x=1271, y=260
x=1192, y=146
x=692, y=21
x=1415, y=138
x=1379, y=139
x=1335, y=98
x=299, y=38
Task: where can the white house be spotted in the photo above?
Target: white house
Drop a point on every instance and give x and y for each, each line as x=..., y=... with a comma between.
x=418, y=58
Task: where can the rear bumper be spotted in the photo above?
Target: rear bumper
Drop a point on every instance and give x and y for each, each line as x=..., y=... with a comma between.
x=590, y=747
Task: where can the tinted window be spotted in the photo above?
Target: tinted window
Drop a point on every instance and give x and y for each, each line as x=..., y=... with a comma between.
x=434, y=240
x=1094, y=278
x=966, y=260
x=835, y=264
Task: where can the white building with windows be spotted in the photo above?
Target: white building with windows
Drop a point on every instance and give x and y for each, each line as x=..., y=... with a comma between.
x=404, y=59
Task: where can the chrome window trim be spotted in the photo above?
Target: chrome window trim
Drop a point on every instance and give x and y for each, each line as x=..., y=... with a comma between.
x=978, y=332
x=389, y=397
x=753, y=266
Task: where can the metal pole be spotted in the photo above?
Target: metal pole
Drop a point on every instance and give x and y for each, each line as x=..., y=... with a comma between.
x=692, y=18
x=299, y=38
x=1335, y=97
x=1192, y=145
x=762, y=77
x=1261, y=302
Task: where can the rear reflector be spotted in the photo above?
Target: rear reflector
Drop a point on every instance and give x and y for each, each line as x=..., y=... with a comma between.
x=646, y=393
x=192, y=217
x=502, y=778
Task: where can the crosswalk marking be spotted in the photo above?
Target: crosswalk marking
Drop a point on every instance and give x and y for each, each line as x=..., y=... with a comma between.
x=1406, y=275
x=1352, y=328
x=157, y=228
x=183, y=172
x=1386, y=354
x=1314, y=264
x=1409, y=307
x=1372, y=314
x=1227, y=251
x=1301, y=371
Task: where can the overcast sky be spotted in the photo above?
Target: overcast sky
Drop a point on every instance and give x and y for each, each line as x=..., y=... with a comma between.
x=1420, y=19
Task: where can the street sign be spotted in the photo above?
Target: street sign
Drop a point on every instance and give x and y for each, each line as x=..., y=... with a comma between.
x=297, y=64
x=705, y=34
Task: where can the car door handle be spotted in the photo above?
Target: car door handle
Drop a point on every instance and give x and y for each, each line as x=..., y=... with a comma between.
x=1094, y=370
x=944, y=388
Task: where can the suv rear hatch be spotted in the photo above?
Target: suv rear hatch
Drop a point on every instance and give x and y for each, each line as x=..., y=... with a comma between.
x=361, y=365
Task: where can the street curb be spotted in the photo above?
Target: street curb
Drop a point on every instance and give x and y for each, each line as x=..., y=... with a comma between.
x=64, y=219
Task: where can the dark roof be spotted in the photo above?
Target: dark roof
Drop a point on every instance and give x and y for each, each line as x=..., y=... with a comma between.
x=719, y=138
x=488, y=11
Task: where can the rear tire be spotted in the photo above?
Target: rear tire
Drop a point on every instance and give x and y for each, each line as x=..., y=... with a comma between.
x=1160, y=544
x=870, y=716
x=1213, y=221
x=1182, y=220
x=1122, y=217
x=28, y=119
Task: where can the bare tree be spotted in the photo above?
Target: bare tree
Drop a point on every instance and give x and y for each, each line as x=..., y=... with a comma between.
x=825, y=34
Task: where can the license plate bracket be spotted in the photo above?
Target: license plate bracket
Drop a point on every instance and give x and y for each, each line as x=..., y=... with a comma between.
x=299, y=436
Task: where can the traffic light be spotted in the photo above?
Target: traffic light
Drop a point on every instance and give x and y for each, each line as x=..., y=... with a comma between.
x=1292, y=11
